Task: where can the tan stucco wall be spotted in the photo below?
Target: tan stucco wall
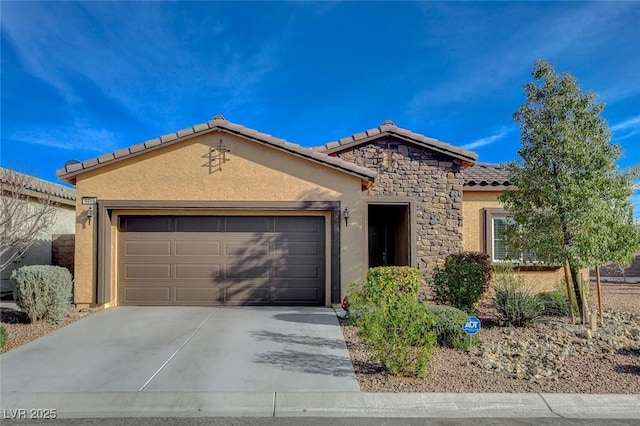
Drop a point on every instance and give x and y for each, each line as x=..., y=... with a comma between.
x=473, y=205
x=181, y=171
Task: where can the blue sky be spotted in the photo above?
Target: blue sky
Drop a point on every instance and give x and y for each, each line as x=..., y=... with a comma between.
x=83, y=79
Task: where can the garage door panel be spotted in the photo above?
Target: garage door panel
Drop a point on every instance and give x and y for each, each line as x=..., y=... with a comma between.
x=249, y=250
x=146, y=248
x=198, y=271
x=243, y=295
x=244, y=271
x=147, y=271
x=198, y=295
x=254, y=224
x=238, y=260
x=296, y=294
x=198, y=248
x=147, y=295
x=297, y=271
x=199, y=224
x=296, y=224
x=299, y=248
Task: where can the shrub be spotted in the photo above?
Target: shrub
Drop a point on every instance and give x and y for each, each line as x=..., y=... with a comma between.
x=386, y=282
x=42, y=291
x=447, y=327
x=515, y=302
x=462, y=281
x=555, y=302
x=4, y=336
x=392, y=322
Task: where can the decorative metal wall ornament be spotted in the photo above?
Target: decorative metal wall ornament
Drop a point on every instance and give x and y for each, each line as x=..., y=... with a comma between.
x=217, y=157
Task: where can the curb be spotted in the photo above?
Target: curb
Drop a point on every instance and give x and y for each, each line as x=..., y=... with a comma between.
x=16, y=405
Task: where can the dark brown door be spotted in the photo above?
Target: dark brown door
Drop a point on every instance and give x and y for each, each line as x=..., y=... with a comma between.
x=221, y=260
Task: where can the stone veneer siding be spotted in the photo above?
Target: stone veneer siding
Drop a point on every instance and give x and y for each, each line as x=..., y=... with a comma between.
x=435, y=180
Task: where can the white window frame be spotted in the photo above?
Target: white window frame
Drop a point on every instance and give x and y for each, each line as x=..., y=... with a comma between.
x=489, y=234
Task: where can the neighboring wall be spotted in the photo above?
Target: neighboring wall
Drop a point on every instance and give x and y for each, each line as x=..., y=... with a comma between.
x=40, y=252
x=434, y=180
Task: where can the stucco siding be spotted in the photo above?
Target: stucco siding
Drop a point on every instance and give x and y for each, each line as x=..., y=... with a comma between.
x=183, y=172
x=474, y=204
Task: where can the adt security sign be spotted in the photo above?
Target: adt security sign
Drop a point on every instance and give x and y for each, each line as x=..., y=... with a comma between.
x=472, y=326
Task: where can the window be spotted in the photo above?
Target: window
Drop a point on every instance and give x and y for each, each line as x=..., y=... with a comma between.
x=499, y=251
x=496, y=221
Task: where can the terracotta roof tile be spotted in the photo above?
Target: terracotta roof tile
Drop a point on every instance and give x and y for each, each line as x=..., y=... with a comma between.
x=201, y=127
x=122, y=153
x=219, y=123
x=185, y=132
x=168, y=138
x=136, y=148
x=151, y=143
x=373, y=132
x=105, y=158
x=41, y=186
x=91, y=162
x=486, y=176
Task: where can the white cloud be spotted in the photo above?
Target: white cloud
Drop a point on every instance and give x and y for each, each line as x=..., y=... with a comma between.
x=631, y=123
x=476, y=74
x=71, y=138
x=489, y=139
x=135, y=53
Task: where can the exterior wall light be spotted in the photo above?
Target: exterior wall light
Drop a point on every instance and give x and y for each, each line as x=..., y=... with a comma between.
x=90, y=201
x=345, y=214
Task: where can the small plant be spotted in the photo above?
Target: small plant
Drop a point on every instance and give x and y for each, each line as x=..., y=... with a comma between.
x=515, y=301
x=392, y=322
x=4, y=336
x=42, y=291
x=462, y=281
x=447, y=327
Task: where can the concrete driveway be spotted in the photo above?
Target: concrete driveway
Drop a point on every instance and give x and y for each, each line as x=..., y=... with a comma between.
x=255, y=349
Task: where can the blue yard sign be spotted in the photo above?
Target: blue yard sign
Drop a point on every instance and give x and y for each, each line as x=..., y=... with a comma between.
x=472, y=326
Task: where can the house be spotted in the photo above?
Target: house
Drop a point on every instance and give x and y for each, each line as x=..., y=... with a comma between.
x=222, y=214
x=51, y=243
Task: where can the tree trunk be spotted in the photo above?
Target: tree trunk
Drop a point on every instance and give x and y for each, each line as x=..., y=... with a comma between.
x=578, y=292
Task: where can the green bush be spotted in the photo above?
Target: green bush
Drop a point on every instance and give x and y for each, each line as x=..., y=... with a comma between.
x=392, y=322
x=448, y=327
x=515, y=301
x=42, y=291
x=385, y=282
x=4, y=336
x=462, y=281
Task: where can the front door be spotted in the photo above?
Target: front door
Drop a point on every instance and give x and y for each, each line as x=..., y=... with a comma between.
x=388, y=232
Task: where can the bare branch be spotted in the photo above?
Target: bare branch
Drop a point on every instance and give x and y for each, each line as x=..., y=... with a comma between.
x=27, y=211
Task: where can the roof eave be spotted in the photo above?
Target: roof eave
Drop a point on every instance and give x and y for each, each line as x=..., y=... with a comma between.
x=467, y=159
x=154, y=144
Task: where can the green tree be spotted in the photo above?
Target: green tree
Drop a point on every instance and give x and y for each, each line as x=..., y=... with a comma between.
x=572, y=201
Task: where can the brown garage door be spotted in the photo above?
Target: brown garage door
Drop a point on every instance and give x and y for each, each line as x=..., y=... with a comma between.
x=221, y=260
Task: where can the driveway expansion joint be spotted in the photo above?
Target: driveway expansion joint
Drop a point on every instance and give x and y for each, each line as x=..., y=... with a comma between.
x=177, y=350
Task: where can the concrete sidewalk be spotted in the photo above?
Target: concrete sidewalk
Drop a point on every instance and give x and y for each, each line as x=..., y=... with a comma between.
x=324, y=404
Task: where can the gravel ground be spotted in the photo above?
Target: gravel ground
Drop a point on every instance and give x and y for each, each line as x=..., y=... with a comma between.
x=451, y=370
x=457, y=371
x=22, y=331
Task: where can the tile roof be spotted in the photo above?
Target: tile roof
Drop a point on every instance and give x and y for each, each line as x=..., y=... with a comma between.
x=486, y=177
x=218, y=123
x=389, y=128
x=40, y=187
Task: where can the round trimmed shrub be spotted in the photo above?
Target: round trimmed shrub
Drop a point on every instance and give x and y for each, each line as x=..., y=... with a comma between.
x=42, y=291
